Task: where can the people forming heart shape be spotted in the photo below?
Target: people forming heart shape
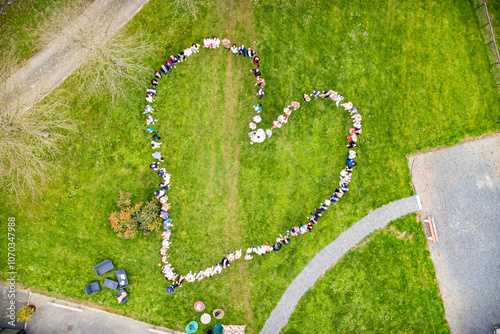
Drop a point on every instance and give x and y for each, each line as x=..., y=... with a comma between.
x=256, y=136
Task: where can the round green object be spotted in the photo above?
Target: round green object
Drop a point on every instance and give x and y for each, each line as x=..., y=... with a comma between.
x=218, y=329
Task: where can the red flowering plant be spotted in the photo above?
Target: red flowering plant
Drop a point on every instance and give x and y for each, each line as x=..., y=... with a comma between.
x=130, y=218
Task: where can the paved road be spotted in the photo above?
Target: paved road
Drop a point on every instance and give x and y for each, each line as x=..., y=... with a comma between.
x=460, y=187
x=330, y=254
x=50, y=319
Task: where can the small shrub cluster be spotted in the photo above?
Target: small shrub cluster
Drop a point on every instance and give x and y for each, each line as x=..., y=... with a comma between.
x=131, y=218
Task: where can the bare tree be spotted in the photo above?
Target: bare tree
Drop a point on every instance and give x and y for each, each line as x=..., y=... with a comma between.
x=114, y=66
x=31, y=139
x=113, y=62
x=28, y=141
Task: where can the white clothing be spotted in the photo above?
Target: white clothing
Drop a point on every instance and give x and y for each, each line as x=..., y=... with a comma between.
x=190, y=277
x=150, y=120
x=237, y=255
x=166, y=235
x=347, y=106
x=346, y=179
x=157, y=155
x=338, y=99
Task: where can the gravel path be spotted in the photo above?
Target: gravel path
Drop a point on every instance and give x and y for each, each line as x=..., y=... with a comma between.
x=49, y=319
x=56, y=61
x=460, y=187
x=330, y=254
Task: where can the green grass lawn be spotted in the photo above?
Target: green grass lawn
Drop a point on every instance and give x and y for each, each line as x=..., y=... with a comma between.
x=418, y=72
x=385, y=285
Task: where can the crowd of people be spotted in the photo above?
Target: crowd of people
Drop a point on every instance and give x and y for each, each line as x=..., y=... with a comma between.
x=256, y=136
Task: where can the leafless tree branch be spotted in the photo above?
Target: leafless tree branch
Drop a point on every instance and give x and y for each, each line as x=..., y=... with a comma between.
x=113, y=63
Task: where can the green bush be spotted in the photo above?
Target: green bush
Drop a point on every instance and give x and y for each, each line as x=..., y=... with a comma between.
x=129, y=219
x=24, y=314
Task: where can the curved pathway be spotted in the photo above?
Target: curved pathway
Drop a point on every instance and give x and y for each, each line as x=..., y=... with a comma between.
x=330, y=254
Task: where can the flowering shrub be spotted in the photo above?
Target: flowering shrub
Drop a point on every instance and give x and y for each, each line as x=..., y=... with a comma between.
x=144, y=216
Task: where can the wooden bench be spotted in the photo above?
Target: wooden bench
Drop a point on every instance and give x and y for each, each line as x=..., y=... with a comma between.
x=432, y=228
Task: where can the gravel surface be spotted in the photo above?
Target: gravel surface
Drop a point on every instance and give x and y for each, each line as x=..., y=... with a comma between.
x=330, y=254
x=460, y=187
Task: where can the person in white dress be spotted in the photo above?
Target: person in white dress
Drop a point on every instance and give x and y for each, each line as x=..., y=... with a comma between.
x=237, y=254
x=215, y=42
x=259, y=137
x=190, y=277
